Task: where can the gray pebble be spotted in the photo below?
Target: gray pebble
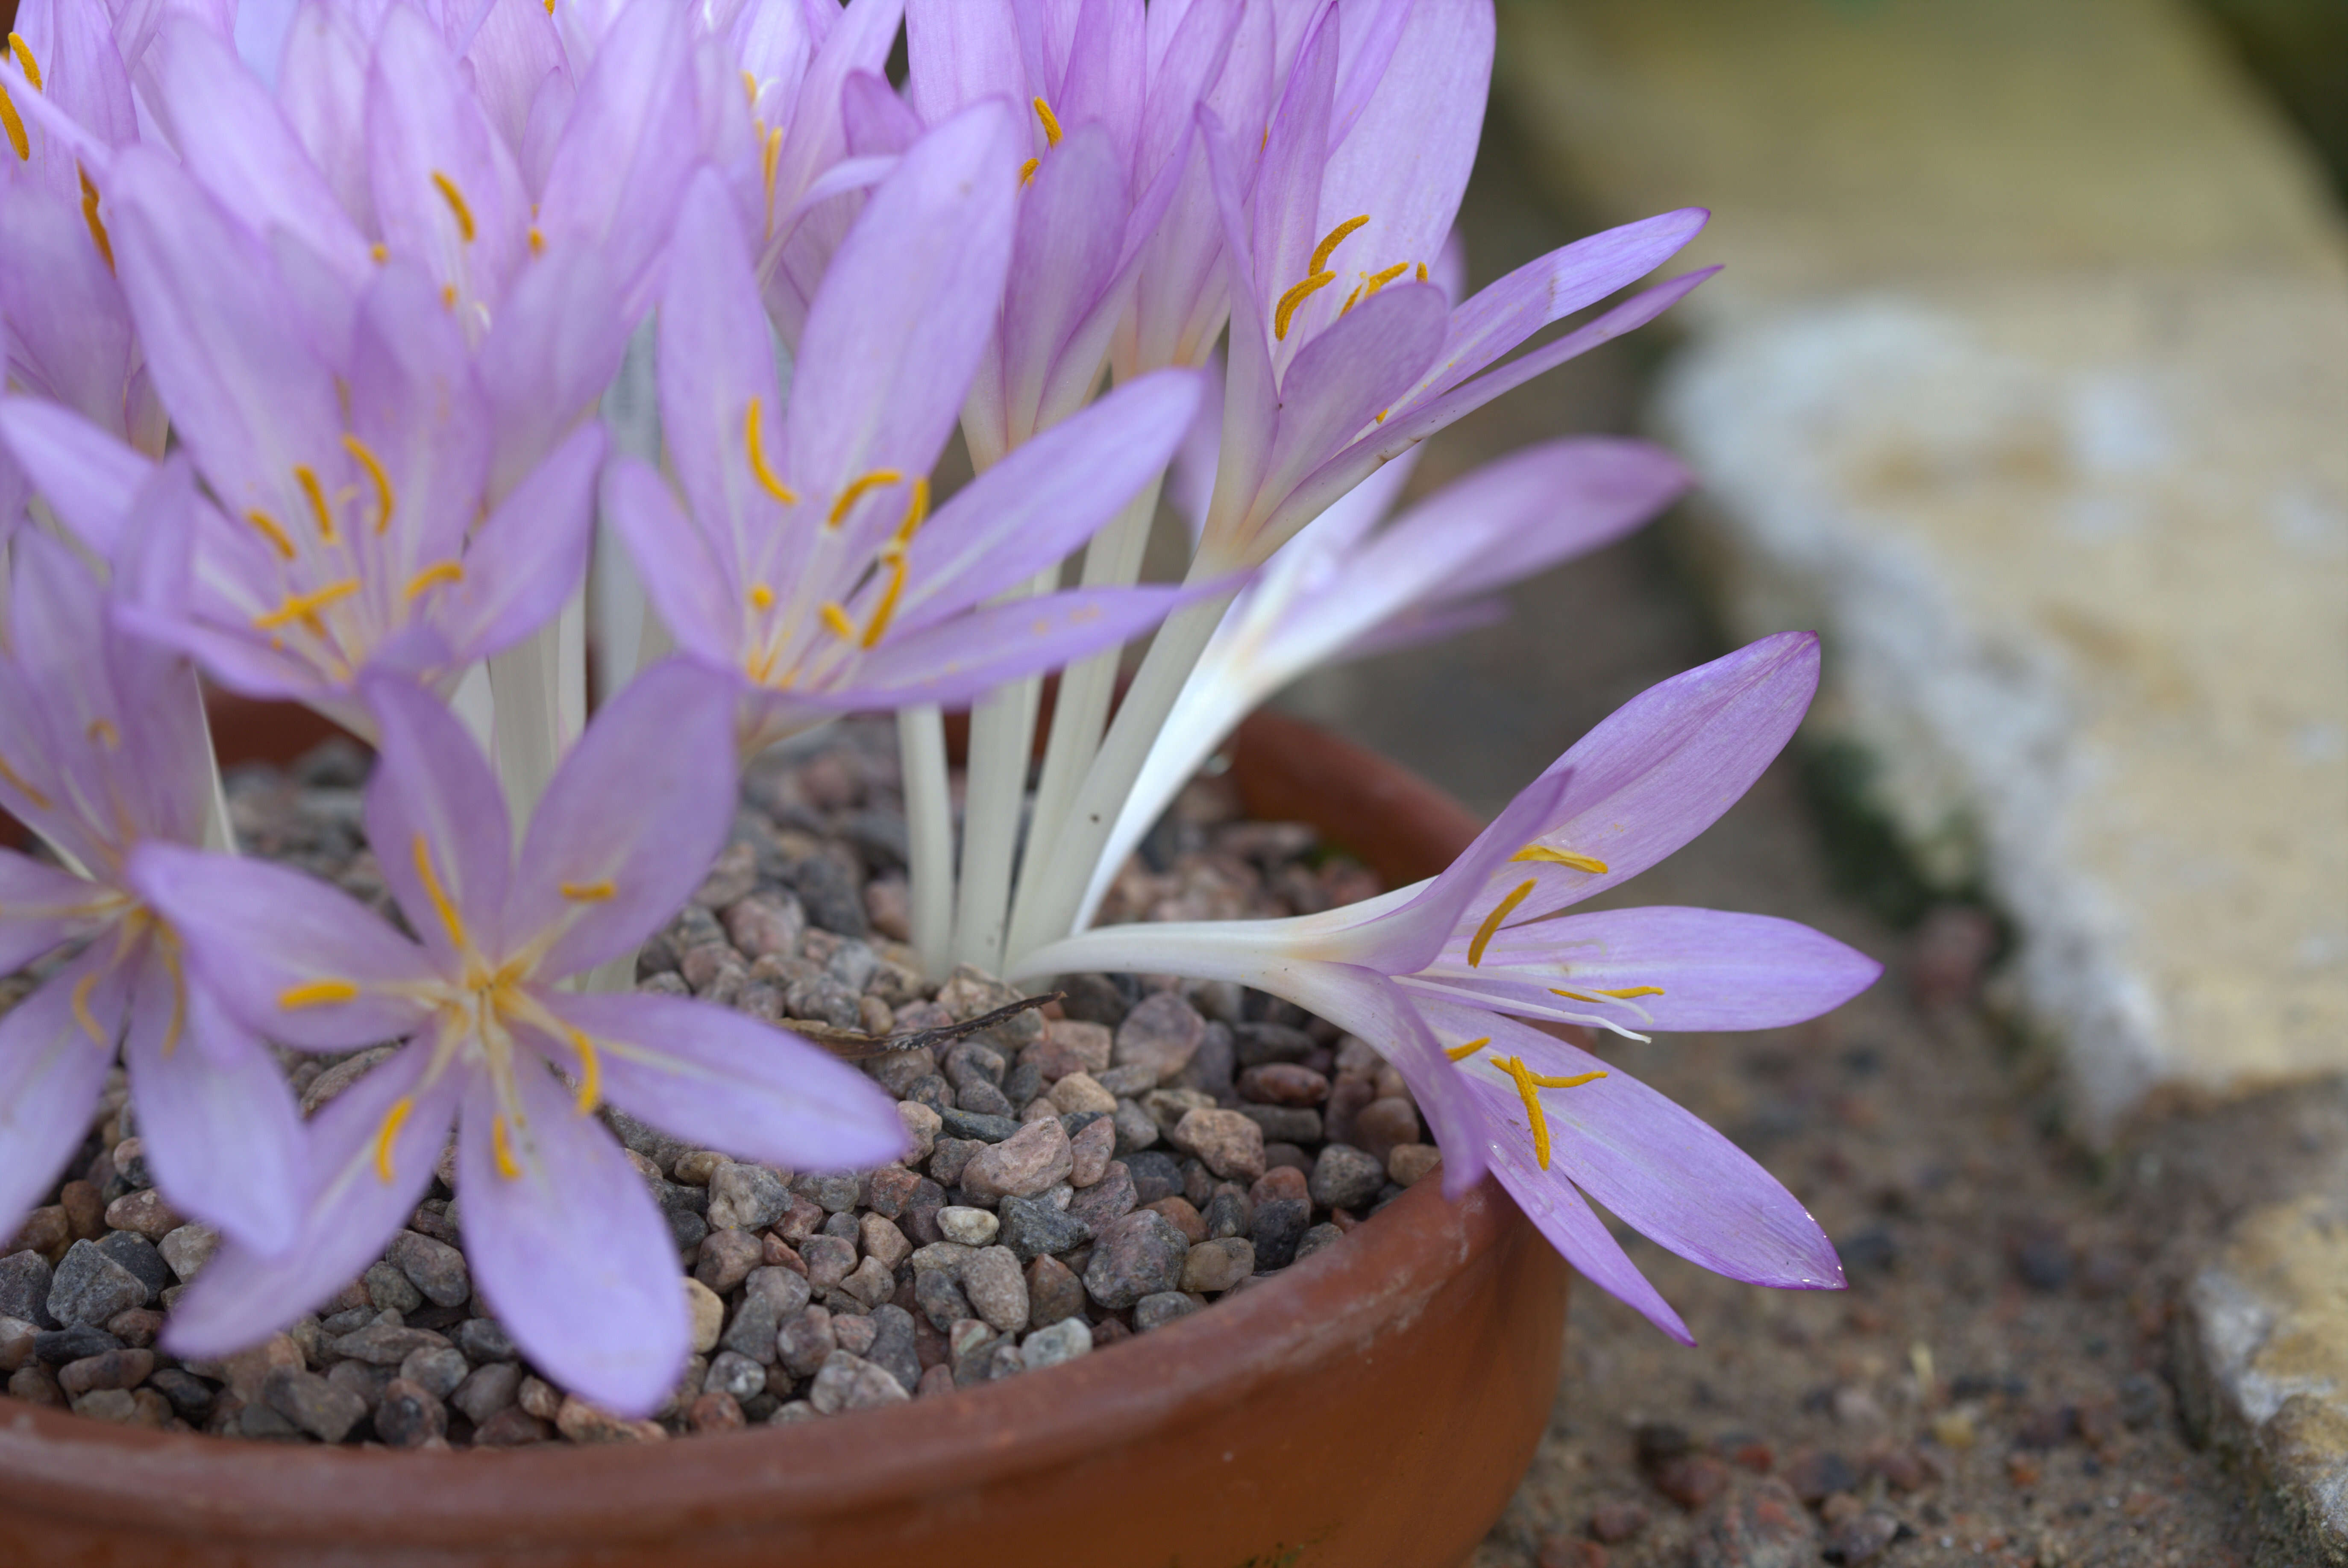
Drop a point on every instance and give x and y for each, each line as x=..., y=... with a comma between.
x=829, y=1259
x=823, y=1000
x=837, y=1193
x=1218, y=1265
x=56, y=1347
x=851, y=1383
x=1062, y=1341
x=137, y=1254
x=734, y=1373
x=1159, y=1308
x=959, y=1123
x=1279, y=1224
x=1137, y=1256
x=388, y=1288
x=1285, y=1124
x=1054, y=1292
x=1346, y=1178
x=991, y=1277
x=435, y=1268
x=1161, y=1034
x=1111, y=1198
x=486, y=1390
x=1227, y=1213
x=982, y=1099
x=313, y=1404
x=90, y=1286
x=940, y=1296
x=1035, y=1227
x=968, y=1226
x=410, y=1415
x=834, y=898
x=1314, y=1239
x=746, y=1197
x=895, y=1346
x=188, y=1249
x=191, y=1397
x=25, y=1281
x=437, y=1368
x=484, y=1339
x=805, y=1341
x=384, y=1345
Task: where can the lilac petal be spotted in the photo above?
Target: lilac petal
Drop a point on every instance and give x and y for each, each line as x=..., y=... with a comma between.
x=556, y=344
x=41, y=907
x=254, y=932
x=1045, y=499
x=433, y=800
x=1062, y=259
x=1285, y=210
x=1563, y=1215
x=1654, y=1164
x=724, y=1080
x=1550, y=288
x=250, y=396
x=528, y=556
x=710, y=371
x=246, y=666
x=1561, y=498
x=1715, y=970
x=569, y=1249
x=693, y=595
x=953, y=661
x=50, y=1074
x=876, y=121
x=218, y=1124
x=243, y=1295
x=417, y=404
x=629, y=143
x=232, y=138
x=322, y=92
x=512, y=54
x=86, y=474
x=906, y=309
x=1406, y=426
x=77, y=347
x=631, y=821
x=960, y=51
x=1349, y=375
x=1251, y=394
x=428, y=136
x=858, y=39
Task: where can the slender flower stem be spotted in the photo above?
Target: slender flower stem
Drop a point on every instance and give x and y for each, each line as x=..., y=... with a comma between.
x=929, y=832
x=1080, y=713
x=525, y=680
x=1078, y=838
x=1002, y=740
x=220, y=833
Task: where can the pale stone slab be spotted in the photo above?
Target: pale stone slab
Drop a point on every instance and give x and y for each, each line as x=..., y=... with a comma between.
x=2028, y=385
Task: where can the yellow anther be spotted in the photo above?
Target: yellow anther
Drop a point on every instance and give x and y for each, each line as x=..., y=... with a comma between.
x=770, y=159
x=759, y=469
x=916, y=510
x=456, y=200
x=1576, y=1081
x=503, y=1149
x=1422, y=271
x=316, y=994
x=1580, y=862
x=82, y=1014
x=1331, y=241
x=537, y=241
x=98, y=235
x=837, y=619
x=855, y=492
x=1373, y=282
x=1576, y=997
x=379, y=252
x=1627, y=992
x=14, y=125
x=590, y=1071
x=448, y=296
x=24, y=61
x=1051, y=123
x=761, y=596
x=1492, y=923
x=40, y=802
x=1527, y=1090
x=392, y=1121
x=304, y=607
x=1027, y=169
x=315, y=493
x=271, y=531
x=1285, y=311
x=550, y=7
x=887, y=607
x=433, y=890
x=750, y=88
x=1351, y=300
x=438, y=571
x=1462, y=1053
x=588, y=893
x=103, y=732
x=384, y=497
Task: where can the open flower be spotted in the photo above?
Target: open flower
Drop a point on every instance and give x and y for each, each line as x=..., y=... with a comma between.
x=1343, y=351
x=102, y=750
x=809, y=566
x=564, y=1242
x=351, y=467
x=1111, y=138
x=1345, y=587
x=1423, y=971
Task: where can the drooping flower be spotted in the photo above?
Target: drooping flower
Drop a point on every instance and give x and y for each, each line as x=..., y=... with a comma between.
x=1342, y=352
x=808, y=565
x=1345, y=587
x=1433, y=974
x=564, y=1242
x=1113, y=94
x=351, y=463
x=102, y=750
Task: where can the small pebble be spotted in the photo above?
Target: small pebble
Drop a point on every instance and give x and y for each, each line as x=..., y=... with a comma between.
x=1162, y=1307
x=1062, y=1340
x=1137, y=1256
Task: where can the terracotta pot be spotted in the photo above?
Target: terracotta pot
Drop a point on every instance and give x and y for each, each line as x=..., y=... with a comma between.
x=1375, y=1405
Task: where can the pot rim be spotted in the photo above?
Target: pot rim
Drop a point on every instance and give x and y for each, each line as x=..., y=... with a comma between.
x=1173, y=1377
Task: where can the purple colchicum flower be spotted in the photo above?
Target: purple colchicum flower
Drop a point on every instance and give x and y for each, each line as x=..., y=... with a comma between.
x=350, y=464
x=101, y=751
x=1114, y=94
x=807, y=567
x=1431, y=974
x=1341, y=591
x=70, y=336
x=564, y=1243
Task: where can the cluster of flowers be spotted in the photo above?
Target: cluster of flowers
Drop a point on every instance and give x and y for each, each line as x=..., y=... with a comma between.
x=311, y=310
